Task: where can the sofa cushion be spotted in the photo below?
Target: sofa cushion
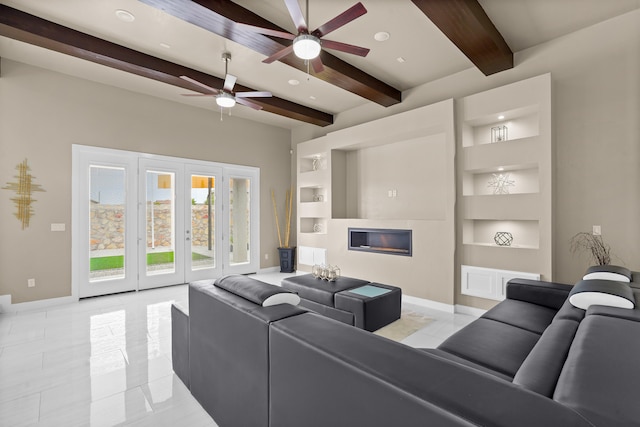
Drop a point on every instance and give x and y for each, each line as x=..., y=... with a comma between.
x=532, y=317
x=495, y=345
x=600, y=376
x=318, y=290
x=608, y=272
x=601, y=292
x=540, y=370
x=257, y=292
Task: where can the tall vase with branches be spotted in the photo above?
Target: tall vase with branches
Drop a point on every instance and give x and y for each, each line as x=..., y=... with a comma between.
x=595, y=247
x=286, y=252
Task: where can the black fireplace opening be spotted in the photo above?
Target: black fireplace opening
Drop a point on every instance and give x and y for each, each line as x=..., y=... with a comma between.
x=380, y=240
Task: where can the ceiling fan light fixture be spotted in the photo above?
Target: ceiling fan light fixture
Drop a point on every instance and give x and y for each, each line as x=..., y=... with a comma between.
x=225, y=100
x=306, y=46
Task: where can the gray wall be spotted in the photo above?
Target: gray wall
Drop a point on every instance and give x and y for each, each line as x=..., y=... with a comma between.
x=42, y=113
x=595, y=76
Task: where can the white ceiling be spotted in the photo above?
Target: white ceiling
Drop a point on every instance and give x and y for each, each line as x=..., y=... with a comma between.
x=428, y=54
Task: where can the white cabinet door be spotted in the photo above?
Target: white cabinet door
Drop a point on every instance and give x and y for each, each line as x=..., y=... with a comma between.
x=489, y=282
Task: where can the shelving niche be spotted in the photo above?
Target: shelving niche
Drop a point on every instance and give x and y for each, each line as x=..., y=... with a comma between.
x=506, y=185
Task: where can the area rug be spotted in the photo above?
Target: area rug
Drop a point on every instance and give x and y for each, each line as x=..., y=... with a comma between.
x=409, y=322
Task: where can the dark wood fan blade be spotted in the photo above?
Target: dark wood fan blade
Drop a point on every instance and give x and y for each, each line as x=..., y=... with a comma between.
x=198, y=94
x=267, y=32
x=248, y=103
x=254, y=94
x=279, y=54
x=344, y=47
x=344, y=18
x=296, y=15
x=229, y=82
x=202, y=85
x=316, y=63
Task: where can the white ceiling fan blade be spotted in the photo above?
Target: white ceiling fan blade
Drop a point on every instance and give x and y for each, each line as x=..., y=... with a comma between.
x=229, y=82
x=248, y=103
x=254, y=94
x=202, y=85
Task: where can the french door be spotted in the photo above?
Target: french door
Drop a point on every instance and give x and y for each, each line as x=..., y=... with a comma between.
x=143, y=221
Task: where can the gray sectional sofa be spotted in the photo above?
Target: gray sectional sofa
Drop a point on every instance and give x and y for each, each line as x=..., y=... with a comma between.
x=533, y=360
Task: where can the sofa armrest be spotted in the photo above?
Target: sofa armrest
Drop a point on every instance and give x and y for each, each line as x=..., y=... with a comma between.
x=344, y=376
x=547, y=294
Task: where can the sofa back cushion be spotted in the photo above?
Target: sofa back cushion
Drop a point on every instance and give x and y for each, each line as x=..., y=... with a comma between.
x=600, y=377
x=540, y=370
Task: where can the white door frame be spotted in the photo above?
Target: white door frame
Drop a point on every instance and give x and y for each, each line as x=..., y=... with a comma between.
x=82, y=156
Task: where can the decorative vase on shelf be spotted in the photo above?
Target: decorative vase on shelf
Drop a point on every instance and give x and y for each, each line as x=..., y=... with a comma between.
x=499, y=133
x=503, y=238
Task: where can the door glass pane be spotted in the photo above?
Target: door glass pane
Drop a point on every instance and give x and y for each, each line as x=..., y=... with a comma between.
x=202, y=222
x=239, y=220
x=107, y=222
x=160, y=217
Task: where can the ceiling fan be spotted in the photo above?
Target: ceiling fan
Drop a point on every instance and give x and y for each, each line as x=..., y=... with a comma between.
x=307, y=45
x=225, y=97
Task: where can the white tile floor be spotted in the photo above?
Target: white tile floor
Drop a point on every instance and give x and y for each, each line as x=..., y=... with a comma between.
x=107, y=361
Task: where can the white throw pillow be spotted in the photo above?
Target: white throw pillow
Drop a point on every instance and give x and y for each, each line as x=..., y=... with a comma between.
x=606, y=275
x=282, y=298
x=585, y=299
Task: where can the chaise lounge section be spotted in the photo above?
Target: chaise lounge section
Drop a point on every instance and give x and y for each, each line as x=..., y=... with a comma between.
x=532, y=360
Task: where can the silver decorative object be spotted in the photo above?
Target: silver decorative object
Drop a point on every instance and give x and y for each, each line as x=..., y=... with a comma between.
x=503, y=238
x=499, y=133
x=317, y=228
x=330, y=273
x=316, y=163
x=318, y=198
x=501, y=183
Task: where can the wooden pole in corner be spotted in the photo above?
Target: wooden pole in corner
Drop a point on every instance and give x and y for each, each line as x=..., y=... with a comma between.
x=275, y=212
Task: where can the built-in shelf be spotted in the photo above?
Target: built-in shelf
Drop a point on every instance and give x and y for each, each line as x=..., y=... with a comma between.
x=522, y=163
x=313, y=163
x=313, y=225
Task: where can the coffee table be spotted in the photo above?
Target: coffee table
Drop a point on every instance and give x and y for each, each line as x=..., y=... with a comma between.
x=363, y=304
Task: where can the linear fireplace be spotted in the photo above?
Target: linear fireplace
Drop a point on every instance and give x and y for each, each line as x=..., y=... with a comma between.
x=384, y=241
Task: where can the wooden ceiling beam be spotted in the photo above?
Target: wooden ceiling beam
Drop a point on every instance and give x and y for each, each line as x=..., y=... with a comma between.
x=467, y=25
x=220, y=16
x=31, y=29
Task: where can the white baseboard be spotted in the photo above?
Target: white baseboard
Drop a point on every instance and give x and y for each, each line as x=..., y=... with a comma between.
x=5, y=303
x=435, y=305
x=472, y=311
x=7, y=307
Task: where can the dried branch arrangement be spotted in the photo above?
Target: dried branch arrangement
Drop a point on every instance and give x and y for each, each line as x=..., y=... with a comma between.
x=593, y=245
x=289, y=209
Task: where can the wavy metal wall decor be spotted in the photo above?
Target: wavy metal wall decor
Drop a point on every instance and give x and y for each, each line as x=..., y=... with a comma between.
x=23, y=189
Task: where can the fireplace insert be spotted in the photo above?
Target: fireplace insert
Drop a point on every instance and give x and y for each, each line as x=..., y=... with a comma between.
x=380, y=240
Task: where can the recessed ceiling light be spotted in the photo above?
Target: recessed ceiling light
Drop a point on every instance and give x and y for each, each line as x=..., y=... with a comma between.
x=294, y=82
x=500, y=169
x=125, y=15
x=312, y=97
x=400, y=59
x=500, y=117
x=164, y=45
x=381, y=36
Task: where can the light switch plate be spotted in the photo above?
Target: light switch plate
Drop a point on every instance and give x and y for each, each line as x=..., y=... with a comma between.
x=58, y=227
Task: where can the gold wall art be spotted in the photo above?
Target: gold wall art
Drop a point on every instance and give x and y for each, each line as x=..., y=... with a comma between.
x=23, y=189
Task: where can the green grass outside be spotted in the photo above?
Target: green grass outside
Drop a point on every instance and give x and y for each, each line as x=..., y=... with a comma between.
x=117, y=261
